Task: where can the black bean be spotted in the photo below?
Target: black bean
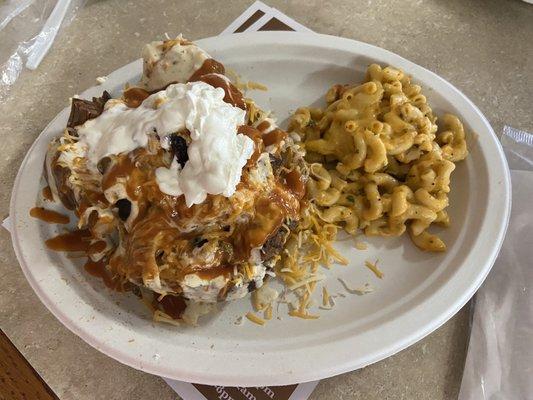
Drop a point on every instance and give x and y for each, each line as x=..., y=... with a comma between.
x=179, y=148
x=199, y=241
x=251, y=286
x=124, y=208
x=103, y=164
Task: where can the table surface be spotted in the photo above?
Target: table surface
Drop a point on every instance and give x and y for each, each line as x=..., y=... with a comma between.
x=482, y=47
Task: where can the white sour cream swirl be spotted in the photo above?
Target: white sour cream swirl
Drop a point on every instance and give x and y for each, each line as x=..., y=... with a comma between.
x=217, y=153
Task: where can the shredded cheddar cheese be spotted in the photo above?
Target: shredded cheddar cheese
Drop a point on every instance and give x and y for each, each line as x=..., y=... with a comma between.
x=249, y=274
x=255, y=319
x=308, y=247
x=374, y=268
x=299, y=314
x=325, y=296
x=306, y=281
x=243, y=85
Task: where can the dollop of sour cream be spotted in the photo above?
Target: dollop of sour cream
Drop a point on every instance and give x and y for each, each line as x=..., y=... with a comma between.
x=217, y=153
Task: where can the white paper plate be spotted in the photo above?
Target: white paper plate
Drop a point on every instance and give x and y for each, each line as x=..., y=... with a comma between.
x=420, y=291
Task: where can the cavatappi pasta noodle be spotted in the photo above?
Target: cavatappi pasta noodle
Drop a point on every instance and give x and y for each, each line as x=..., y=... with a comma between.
x=378, y=162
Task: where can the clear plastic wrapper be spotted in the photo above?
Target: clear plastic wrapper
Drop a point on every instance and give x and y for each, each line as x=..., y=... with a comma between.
x=518, y=146
x=499, y=363
x=28, y=29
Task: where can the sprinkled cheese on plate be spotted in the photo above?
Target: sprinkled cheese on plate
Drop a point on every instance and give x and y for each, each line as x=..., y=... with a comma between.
x=300, y=314
x=314, y=278
x=267, y=314
x=255, y=319
x=361, y=246
x=374, y=268
x=325, y=296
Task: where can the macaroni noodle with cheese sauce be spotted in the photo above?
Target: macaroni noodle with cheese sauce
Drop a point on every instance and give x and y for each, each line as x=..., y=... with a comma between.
x=378, y=160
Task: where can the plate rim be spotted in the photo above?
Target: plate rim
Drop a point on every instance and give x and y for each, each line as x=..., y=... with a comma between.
x=283, y=38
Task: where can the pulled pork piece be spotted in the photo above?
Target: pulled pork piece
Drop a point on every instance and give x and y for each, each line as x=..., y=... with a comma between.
x=274, y=245
x=84, y=110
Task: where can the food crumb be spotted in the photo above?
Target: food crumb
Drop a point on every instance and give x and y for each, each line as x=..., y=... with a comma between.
x=137, y=34
x=131, y=340
x=302, y=314
x=255, y=319
x=267, y=314
x=101, y=79
x=361, y=246
x=366, y=288
x=325, y=296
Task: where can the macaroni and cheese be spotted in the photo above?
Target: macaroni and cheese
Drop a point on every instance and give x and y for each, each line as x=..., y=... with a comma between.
x=378, y=160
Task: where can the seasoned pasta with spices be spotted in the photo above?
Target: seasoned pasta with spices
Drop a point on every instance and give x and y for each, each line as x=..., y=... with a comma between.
x=379, y=160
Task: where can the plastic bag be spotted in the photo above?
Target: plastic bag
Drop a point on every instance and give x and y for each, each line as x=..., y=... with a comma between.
x=27, y=27
x=499, y=363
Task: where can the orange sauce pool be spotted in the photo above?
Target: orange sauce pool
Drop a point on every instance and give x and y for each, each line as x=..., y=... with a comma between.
x=47, y=193
x=50, y=216
x=209, y=66
x=99, y=270
x=97, y=247
x=79, y=240
x=172, y=305
x=295, y=184
x=212, y=273
x=263, y=126
x=274, y=137
x=134, y=96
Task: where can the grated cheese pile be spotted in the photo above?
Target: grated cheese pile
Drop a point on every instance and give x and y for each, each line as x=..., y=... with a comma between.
x=374, y=268
x=308, y=247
